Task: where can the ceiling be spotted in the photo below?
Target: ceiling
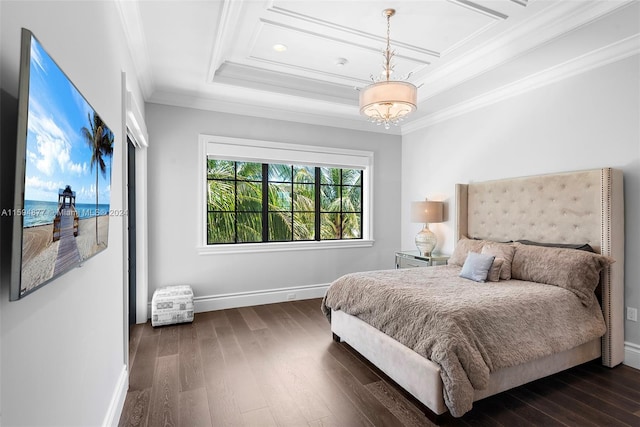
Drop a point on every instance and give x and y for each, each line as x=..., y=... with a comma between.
x=219, y=55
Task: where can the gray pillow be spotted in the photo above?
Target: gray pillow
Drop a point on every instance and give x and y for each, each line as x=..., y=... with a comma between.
x=476, y=267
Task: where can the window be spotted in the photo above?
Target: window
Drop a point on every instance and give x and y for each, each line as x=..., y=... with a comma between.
x=262, y=195
x=260, y=202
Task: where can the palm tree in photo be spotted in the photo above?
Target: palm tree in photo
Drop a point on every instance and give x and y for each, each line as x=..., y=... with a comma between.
x=106, y=147
x=100, y=140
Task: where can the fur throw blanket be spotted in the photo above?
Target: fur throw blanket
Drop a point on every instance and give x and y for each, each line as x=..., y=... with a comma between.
x=469, y=329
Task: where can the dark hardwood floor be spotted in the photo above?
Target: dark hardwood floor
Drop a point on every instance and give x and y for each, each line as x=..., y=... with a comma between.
x=276, y=365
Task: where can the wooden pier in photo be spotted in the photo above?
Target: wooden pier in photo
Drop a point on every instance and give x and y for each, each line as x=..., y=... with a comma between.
x=68, y=254
x=65, y=229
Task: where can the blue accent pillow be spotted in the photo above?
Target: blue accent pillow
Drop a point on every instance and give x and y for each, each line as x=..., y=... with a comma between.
x=476, y=267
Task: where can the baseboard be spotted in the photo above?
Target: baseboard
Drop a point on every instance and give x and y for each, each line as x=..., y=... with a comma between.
x=112, y=418
x=245, y=299
x=632, y=355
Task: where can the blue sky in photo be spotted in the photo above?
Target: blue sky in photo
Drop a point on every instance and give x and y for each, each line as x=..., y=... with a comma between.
x=57, y=153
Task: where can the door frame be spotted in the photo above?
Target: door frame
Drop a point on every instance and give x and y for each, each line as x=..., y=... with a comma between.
x=141, y=234
x=134, y=127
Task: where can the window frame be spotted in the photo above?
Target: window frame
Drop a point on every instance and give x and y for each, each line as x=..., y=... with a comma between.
x=249, y=150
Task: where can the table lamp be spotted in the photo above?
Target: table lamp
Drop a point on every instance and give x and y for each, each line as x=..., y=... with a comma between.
x=426, y=212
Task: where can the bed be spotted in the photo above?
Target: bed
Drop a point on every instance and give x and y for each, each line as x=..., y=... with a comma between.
x=584, y=207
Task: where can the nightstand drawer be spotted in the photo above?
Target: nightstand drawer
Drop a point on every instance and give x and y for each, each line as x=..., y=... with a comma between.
x=411, y=263
x=413, y=259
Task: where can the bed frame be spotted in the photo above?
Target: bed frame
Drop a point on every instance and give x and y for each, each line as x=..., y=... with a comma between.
x=575, y=207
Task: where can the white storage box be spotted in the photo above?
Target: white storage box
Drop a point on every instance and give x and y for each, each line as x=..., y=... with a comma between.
x=172, y=304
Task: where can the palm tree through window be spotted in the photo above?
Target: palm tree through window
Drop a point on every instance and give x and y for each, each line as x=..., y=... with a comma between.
x=260, y=202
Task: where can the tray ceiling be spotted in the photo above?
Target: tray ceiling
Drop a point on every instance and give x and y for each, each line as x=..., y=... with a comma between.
x=220, y=55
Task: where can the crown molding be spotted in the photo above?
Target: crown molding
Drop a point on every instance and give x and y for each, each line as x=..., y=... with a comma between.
x=131, y=21
x=229, y=19
x=264, y=104
x=468, y=38
x=581, y=64
x=482, y=10
x=557, y=19
x=237, y=74
x=333, y=77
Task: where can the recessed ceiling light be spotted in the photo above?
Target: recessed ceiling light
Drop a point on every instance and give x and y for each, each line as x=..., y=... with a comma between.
x=279, y=47
x=341, y=62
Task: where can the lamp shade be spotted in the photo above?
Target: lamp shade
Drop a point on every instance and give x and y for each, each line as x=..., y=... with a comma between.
x=427, y=212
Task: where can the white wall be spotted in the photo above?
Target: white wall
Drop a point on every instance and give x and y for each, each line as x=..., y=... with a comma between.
x=173, y=225
x=63, y=346
x=590, y=120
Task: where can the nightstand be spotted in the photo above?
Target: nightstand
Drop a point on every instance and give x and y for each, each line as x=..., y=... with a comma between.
x=410, y=259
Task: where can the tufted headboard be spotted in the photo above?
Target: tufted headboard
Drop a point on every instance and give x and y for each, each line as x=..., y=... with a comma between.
x=574, y=207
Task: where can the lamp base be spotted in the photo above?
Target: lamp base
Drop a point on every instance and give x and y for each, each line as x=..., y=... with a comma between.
x=426, y=240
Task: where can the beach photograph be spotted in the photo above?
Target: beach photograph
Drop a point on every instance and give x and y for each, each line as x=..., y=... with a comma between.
x=67, y=189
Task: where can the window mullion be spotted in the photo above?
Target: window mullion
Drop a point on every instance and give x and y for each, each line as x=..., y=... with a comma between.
x=265, y=202
x=317, y=205
x=235, y=201
x=361, y=198
x=293, y=197
x=341, y=219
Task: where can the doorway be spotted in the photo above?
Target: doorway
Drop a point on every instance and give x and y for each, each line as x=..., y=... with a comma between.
x=131, y=227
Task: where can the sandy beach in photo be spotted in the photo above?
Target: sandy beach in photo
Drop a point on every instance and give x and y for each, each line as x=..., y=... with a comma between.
x=39, y=252
x=86, y=238
x=38, y=255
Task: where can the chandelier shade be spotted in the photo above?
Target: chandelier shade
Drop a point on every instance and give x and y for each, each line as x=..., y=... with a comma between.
x=387, y=102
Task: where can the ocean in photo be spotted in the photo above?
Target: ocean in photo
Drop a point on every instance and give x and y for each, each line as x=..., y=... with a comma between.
x=40, y=213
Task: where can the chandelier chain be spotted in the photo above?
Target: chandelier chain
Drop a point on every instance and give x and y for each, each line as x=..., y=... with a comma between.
x=388, y=50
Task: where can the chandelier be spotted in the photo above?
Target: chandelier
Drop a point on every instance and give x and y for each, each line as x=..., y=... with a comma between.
x=386, y=102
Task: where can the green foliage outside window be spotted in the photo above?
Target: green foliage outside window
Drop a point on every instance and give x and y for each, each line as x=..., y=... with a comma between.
x=256, y=202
